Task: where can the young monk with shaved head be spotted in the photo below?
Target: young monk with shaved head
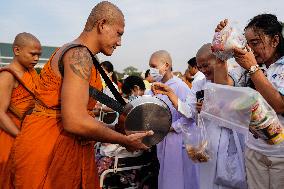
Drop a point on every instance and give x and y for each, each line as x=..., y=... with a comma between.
x=55, y=148
x=16, y=93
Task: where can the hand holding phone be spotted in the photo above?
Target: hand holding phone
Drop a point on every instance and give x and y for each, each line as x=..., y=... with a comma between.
x=200, y=96
x=199, y=100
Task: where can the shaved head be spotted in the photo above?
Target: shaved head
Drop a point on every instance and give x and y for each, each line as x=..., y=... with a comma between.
x=161, y=65
x=205, y=60
x=27, y=50
x=103, y=10
x=205, y=51
x=162, y=56
x=24, y=39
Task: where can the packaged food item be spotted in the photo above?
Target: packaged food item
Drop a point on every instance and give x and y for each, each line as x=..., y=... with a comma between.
x=258, y=112
x=199, y=153
x=227, y=39
x=264, y=122
x=196, y=142
x=269, y=130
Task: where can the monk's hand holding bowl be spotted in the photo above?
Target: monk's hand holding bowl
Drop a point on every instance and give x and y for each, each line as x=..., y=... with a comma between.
x=134, y=141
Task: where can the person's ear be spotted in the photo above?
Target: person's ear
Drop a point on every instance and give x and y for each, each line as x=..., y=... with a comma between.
x=16, y=50
x=275, y=41
x=101, y=25
x=135, y=90
x=167, y=66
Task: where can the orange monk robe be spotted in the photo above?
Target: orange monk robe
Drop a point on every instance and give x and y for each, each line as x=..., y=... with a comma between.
x=44, y=155
x=21, y=101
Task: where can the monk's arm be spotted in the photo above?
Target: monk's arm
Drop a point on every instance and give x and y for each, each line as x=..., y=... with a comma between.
x=6, y=88
x=75, y=96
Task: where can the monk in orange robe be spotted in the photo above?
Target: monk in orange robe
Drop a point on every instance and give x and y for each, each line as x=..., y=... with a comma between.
x=54, y=149
x=16, y=93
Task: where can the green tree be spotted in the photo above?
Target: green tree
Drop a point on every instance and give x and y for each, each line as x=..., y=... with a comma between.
x=130, y=70
x=38, y=70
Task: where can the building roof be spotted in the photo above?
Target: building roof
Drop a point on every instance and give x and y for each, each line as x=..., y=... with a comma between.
x=6, y=53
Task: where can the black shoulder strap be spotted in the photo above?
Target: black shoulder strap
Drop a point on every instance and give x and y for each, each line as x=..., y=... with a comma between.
x=60, y=63
x=109, y=83
x=96, y=63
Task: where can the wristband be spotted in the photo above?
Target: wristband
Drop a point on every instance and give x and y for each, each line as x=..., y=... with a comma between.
x=253, y=69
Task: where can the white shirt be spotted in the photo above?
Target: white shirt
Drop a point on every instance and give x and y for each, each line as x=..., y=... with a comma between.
x=188, y=108
x=197, y=77
x=274, y=74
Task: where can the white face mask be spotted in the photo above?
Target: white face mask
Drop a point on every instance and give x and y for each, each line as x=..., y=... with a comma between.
x=155, y=73
x=132, y=97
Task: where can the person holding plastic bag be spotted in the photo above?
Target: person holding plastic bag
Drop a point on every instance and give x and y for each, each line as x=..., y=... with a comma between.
x=264, y=35
x=208, y=161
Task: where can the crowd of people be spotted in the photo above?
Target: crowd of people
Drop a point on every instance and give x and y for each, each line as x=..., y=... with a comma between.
x=50, y=123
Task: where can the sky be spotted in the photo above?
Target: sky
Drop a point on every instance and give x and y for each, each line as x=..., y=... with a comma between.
x=179, y=26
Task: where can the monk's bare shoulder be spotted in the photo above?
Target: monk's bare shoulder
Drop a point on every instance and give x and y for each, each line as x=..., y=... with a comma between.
x=80, y=62
x=7, y=79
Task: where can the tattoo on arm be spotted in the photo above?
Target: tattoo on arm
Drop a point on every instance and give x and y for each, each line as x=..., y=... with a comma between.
x=81, y=63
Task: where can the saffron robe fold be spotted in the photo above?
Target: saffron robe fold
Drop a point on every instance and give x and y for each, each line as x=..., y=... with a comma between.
x=22, y=101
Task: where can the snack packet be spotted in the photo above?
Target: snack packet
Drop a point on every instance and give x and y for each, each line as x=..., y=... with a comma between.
x=225, y=40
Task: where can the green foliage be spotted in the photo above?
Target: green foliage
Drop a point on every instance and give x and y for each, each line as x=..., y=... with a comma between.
x=38, y=70
x=130, y=70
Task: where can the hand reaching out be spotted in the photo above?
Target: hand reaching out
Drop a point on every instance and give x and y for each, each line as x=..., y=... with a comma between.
x=160, y=88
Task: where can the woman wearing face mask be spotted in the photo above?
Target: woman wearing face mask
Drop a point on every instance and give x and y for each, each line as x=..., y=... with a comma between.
x=133, y=86
x=156, y=73
x=264, y=34
x=176, y=169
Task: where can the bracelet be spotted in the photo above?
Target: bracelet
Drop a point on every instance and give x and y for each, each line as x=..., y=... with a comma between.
x=253, y=69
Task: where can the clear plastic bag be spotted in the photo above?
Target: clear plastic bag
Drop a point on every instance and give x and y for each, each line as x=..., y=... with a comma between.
x=225, y=40
x=196, y=142
x=242, y=109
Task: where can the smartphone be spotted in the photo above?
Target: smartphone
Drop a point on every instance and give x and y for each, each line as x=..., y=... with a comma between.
x=200, y=96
